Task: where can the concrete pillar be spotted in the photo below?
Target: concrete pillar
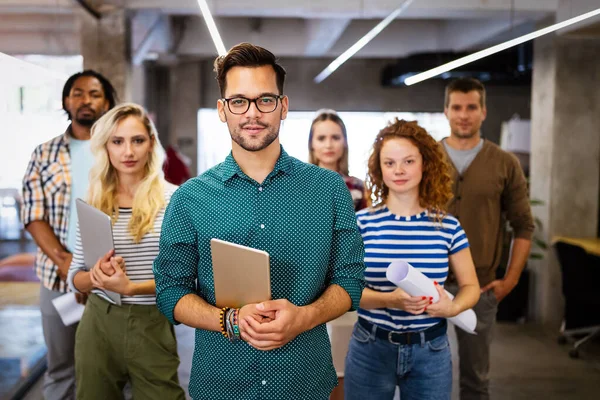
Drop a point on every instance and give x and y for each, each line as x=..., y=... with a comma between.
x=105, y=47
x=138, y=85
x=565, y=168
x=185, y=94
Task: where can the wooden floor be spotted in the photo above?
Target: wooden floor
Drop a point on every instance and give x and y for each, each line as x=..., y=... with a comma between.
x=19, y=293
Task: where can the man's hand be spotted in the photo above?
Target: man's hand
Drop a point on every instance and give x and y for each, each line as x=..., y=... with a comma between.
x=81, y=298
x=64, y=263
x=250, y=311
x=288, y=323
x=501, y=288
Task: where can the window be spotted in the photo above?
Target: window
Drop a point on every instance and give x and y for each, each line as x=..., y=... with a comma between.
x=214, y=142
x=31, y=113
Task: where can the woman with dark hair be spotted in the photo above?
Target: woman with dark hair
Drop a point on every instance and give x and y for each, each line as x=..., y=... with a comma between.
x=400, y=340
x=328, y=148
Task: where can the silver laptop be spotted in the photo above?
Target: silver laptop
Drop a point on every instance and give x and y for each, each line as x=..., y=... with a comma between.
x=241, y=274
x=95, y=229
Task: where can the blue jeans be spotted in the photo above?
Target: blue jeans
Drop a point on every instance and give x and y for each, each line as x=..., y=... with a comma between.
x=374, y=367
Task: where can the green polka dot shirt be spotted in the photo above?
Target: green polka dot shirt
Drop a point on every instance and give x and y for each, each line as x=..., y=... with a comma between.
x=303, y=216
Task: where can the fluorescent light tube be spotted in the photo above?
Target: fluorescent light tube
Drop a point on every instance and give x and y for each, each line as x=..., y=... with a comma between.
x=212, y=28
x=335, y=64
x=497, y=48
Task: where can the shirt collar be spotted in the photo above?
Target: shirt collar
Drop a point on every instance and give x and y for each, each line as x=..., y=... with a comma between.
x=68, y=135
x=230, y=167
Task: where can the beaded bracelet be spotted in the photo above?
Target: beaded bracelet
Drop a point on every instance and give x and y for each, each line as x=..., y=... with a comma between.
x=222, y=320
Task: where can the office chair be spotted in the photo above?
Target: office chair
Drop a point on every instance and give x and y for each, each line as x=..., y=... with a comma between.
x=580, y=280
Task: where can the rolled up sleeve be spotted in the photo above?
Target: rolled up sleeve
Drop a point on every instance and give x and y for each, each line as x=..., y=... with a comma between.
x=176, y=267
x=33, y=194
x=515, y=200
x=348, y=253
x=77, y=263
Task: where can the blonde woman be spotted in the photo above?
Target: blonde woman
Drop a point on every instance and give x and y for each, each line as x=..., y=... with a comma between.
x=133, y=342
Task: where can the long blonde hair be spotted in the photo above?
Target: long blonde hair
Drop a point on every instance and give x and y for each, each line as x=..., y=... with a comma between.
x=149, y=198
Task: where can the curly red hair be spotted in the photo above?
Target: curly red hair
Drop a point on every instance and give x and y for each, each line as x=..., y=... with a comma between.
x=435, y=189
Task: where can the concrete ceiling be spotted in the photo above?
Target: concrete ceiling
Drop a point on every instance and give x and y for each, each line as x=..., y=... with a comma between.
x=300, y=28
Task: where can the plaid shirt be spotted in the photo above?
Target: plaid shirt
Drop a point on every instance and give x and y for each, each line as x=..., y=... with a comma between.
x=46, y=197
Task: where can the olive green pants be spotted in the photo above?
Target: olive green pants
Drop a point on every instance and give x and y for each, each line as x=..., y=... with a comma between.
x=116, y=344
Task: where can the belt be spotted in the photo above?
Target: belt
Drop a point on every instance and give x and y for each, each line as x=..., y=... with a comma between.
x=404, y=338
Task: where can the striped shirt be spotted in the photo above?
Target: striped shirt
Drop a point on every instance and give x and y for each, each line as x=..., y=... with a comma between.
x=138, y=257
x=46, y=197
x=420, y=241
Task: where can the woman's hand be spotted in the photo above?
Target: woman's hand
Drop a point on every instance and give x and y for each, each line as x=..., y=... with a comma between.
x=117, y=281
x=108, y=268
x=445, y=307
x=411, y=304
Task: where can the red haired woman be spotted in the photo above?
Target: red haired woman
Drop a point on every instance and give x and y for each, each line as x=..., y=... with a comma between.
x=400, y=340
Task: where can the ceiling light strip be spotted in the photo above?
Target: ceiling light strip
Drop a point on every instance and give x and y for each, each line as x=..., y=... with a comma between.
x=212, y=28
x=361, y=43
x=497, y=48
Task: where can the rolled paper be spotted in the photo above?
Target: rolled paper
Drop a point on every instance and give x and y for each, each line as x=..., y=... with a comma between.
x=415, y=283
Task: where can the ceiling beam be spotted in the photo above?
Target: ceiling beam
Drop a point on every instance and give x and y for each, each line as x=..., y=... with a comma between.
x=89, y=9
x=321, y=35
x=352, y=9
x=466, y=35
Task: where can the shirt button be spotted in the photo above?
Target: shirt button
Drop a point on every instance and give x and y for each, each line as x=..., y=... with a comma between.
x=260, y=188
x=264, y=382
x=458, y=197
x=262, y=226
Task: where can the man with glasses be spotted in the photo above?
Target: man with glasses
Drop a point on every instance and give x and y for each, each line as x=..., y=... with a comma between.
x=261, y=197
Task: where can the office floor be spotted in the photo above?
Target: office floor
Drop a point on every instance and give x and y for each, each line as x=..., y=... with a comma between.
x=527, y=364
x=21, y=339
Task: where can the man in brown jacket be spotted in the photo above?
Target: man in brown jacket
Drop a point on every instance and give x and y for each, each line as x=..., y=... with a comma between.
x=489, y=188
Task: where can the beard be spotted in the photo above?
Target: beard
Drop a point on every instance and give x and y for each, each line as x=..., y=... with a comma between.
x=465, y=135
x=87, y=121
x=257, y=144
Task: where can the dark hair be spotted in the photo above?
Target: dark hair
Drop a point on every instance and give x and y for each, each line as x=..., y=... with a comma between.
x=333, y=117
x=109, y=91
x=465, y=85
x=247, y=55
x=435, y=189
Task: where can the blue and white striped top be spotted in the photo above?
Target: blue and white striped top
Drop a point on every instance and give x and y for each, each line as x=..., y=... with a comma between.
x=420, y=241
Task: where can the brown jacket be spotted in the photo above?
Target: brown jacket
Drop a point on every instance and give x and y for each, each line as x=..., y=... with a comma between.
x=491, y=190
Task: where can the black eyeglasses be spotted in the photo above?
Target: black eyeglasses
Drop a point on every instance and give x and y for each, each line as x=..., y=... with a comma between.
x=265, y=104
